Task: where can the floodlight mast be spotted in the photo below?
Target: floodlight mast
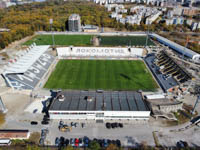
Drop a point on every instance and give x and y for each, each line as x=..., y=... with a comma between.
x=51, y=23
x=147, y=33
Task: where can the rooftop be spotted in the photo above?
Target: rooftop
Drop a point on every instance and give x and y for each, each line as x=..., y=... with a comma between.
x=74, y=17
x=183, y=49
x=104, y=101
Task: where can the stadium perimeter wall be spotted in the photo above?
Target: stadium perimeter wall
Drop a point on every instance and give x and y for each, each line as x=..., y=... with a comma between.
x=95, y=115
x=95, y=33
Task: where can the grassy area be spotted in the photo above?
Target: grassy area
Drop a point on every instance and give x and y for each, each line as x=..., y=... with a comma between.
x=2, y=118
x=183, y=116
x=101, y=74
x=124, y=41
x=75, y=40
x=85, y=40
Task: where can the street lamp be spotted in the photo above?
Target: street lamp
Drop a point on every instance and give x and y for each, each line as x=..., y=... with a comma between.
x=51, y=23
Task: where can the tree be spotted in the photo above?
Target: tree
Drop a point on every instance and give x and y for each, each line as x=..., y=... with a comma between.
x=94, y=146
x=34, y=138
x=112, y=147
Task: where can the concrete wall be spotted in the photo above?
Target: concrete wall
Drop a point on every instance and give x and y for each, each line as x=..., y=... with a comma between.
x=104, y=115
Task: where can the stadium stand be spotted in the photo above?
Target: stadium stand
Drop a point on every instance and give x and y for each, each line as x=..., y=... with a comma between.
x=26, y=71
x=178, y=48
x=169, y=66
x=165, y=83
x=99, y=52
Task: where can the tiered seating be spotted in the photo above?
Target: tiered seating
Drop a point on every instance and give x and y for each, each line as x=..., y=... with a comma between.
x=29, y=68
x=170, y=67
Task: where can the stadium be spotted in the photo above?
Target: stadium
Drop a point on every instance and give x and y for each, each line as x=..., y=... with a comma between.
x=103, y=82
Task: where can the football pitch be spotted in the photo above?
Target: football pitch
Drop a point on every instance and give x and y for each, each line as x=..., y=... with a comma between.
x=86, y=40
x=101, y=74
x=67, y=40
x=124, y=41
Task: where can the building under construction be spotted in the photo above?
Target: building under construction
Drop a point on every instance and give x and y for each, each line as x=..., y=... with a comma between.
x=169, y=66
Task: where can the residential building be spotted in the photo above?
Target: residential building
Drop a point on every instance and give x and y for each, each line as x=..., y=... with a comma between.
x=74, y=23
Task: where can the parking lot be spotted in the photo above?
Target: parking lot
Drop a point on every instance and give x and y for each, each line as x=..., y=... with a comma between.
x=130, y=135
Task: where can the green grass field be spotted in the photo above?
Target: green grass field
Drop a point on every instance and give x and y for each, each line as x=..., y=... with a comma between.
x=124, y=41
x=76, y=40
x=85, y=40
x=101, y=74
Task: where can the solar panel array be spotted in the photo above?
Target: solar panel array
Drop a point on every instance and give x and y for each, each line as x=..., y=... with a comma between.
x=105, y=101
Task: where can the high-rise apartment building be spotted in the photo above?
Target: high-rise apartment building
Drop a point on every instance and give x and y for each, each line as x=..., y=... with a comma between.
x=74, y=23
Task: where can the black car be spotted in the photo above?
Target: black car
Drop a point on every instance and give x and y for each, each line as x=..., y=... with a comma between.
x=113, y=125
x=34, y=122
x=108, y=125
x=66, y=142
x=116, y=125
x=121, y=125
x=95, y=139
x=62, y=141
x=109, y=142
x=44, y=122
x=118, y=143
x=113, y=142
x=46, y=116
x=100, y=142
x=46, y=119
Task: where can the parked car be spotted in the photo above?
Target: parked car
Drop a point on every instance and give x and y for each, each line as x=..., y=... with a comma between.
x=34, y=122
x=179, y=144
x=105, y=143
x=44, y=122
x=95, y=140
x=113, y=142
x=74, y=124
x=66, y=142
x=72, y=142
x=108, y=125
x=86, y=141
x=121, y=125
x=76, y=142
x=113, y=125
x=118, y=143
x=116, y=125
x=46, y=119
x=100, y=142
x=57, y=141
x=62, y=141
x=109, y=142
x=184, y=143
x=81, y=144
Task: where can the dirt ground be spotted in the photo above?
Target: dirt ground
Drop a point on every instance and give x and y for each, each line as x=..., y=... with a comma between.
x=15, y=103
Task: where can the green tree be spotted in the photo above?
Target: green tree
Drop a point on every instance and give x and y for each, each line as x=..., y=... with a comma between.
x=112, y=147
x=94, y=146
